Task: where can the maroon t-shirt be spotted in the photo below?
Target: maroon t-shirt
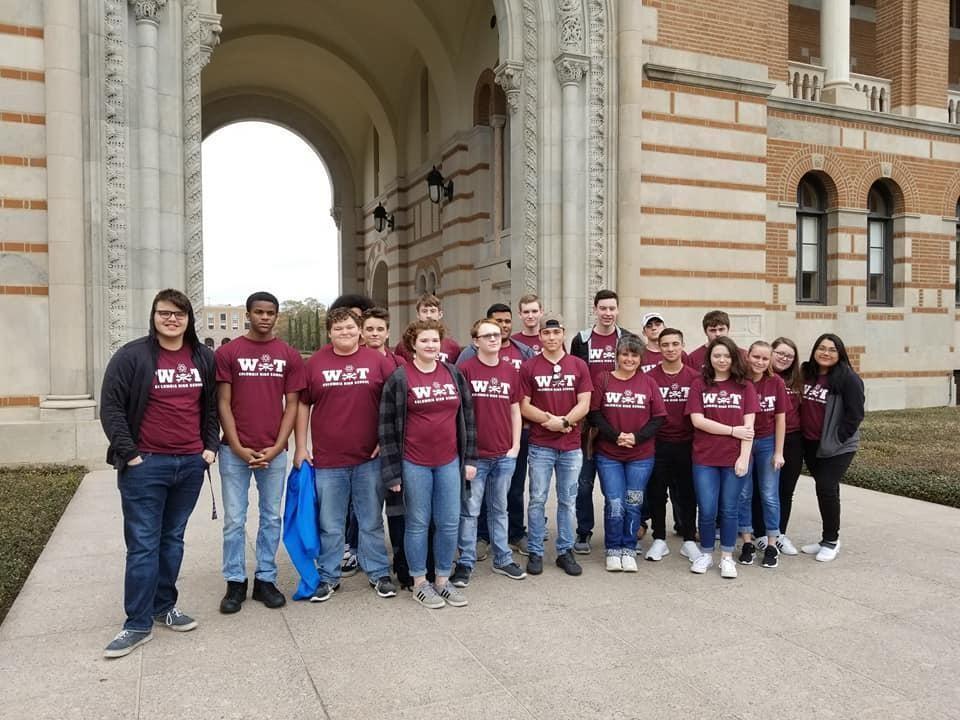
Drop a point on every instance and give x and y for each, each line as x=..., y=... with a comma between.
x=430, y=434
x=674, y=391
x=813, y=407
x=772, y=396
x=725, y=402
x=793, y=410
x=260, y=374
x=510, y=353
x=449, y=351
x=171, y=422
x=627, y=405
x=602, y=354
x=494, y=390
x=344, y=391
x=531, y=341
x=553, y=388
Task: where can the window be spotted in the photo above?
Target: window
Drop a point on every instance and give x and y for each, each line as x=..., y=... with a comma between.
x=209, y=321
x=811, y=241
x=879, y=246
x=223, y=321
x=955, y=13
x=236, y=320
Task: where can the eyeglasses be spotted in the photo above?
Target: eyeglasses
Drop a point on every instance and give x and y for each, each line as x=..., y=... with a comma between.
x=783, y=355
x=828, y=350
x=167, y=314
x=490, y=336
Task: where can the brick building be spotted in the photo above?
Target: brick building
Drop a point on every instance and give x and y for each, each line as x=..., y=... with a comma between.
x=796, y=162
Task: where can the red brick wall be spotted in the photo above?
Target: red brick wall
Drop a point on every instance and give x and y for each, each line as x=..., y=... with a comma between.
x=913, y=50
x=805, y=34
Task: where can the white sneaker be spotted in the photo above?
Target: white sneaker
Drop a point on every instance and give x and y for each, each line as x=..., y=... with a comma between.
x=811, y=549
x=690, y=550
x=703, y=563
x=728, y=568
x=760, y=543
x=785, y=546
x=614, y=563
x=828, y=553
x=657, y=551
x=628, y=562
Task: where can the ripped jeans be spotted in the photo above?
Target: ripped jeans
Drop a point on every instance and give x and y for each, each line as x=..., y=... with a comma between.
x=624, y=485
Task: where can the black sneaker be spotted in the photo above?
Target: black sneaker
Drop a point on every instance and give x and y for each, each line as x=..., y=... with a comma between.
x=747, y=554
x=568, y=563
x=771, y=557
x=384, y=587
x=267, y=593
x=236, y=594
x=535, y=564
x=461, y=576
x=349, y=566
x=510, y=570
x=324, y=592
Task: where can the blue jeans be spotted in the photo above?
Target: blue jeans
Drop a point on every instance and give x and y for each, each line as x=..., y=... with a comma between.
x=515, y=496
x=431, y=493
x=542, y=462
x=624, y=485
x=157, y=497
x=492, y=482
x=335, y=488
x=718, y=489
x=235, y=485
x=767, y=480
x=585, y=480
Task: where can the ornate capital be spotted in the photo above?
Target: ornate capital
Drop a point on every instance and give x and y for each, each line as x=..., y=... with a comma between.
x=571, y=68
x=509, y=76
x=148, y=10
x=210, y=28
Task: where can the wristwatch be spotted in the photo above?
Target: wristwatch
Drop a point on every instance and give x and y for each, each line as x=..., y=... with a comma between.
x=566, y=423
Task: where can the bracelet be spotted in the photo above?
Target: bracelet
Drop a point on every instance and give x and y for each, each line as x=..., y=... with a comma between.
x=731, y=431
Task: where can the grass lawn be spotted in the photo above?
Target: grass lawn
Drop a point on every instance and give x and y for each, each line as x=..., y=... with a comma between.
x=32, y=499
x=915, y=453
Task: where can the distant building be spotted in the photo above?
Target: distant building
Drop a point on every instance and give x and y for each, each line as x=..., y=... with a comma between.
x=218, y=324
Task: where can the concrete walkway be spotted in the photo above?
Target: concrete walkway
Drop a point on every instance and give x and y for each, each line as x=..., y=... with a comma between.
x=873, y=635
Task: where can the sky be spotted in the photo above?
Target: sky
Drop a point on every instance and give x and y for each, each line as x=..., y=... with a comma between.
x=266, y=217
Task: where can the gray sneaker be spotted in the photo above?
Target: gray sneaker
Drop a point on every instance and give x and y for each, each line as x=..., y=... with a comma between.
x=452, y=595
x=521, y=546
x=126, y=642
x=175, y=620
x=510, y=570
x=427, y=595
x=483, y=550
x=582, y=545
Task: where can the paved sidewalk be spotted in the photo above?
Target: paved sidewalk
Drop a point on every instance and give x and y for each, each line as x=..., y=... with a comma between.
x=872, y=635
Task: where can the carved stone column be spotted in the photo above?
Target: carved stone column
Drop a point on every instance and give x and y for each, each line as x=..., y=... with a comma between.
x=498, y=122
x=571, y=70
x=509, y=76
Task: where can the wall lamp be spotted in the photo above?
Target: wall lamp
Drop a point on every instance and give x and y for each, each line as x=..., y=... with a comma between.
x=381, y=219
x=437, y=189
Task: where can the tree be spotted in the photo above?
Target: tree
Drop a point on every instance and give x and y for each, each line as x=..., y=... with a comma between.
x=301, y=323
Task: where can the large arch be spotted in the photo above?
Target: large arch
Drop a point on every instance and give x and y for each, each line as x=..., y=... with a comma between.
x=270, y=106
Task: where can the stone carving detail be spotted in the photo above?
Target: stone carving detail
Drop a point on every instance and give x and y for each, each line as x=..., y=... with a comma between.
x=571, y=69
x=201, y=33
x=886, y=169
x=509, y=76
x=148, y=10
x=600, y=224
x=531, y=186
x=818, y=161
x=116, y=145
x=571, y=25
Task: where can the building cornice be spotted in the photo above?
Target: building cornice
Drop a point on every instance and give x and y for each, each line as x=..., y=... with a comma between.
x=699, y=78
x=863, y=116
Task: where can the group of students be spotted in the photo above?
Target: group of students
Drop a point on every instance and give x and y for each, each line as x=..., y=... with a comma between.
x=449, y=441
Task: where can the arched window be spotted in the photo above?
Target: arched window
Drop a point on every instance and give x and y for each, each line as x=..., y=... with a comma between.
x=879, y=245
x=811, y=240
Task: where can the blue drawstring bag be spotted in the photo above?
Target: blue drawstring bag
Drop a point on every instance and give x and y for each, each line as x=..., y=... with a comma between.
x=301, y=535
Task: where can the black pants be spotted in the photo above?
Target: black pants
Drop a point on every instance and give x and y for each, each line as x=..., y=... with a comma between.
x=789, y=474
x=673, y=471
x=827, y=473
x=518, y=485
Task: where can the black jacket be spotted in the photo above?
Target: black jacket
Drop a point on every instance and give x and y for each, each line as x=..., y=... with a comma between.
x=580, y=344
x=126, y=390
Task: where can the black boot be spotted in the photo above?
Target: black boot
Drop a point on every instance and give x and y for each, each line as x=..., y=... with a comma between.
x=236, y=594
x=267, y=593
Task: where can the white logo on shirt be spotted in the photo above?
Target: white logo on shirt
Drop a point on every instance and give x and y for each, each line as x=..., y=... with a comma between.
x=602, y=355
x=181, y=377
x=627, y=399
x=554, y=382
x=768, y=403
x=676, y=393
x=349, y=375
x=433, y=393
x=721, y=399
x=493, y=388
x=817, y=393
x=263, y=366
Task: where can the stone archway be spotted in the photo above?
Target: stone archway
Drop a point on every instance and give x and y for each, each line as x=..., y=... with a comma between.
x=378, y=287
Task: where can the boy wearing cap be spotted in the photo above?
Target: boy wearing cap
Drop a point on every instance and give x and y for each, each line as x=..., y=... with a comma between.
x=556, y=389
x=653, y=323
x=597, y=347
